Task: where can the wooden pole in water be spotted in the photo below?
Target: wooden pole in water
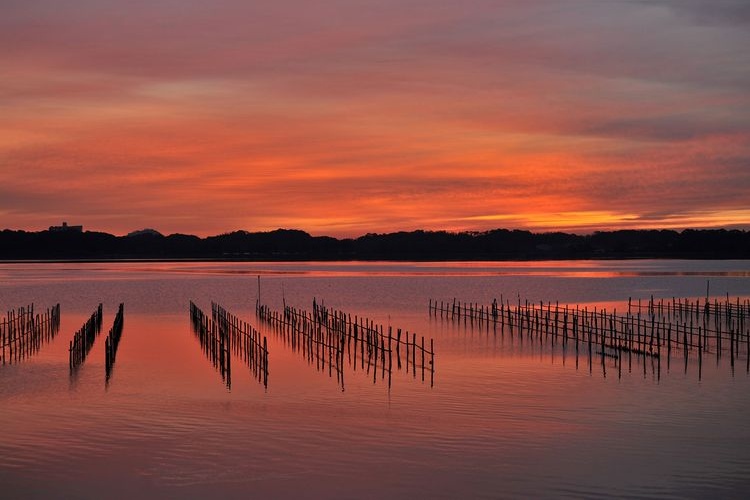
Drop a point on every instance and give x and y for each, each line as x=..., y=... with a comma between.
x=407, y=352
x=423, y=358
x=265, y=362
x=414, y=354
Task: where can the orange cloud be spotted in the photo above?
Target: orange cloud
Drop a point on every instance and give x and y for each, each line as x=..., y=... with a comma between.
x=344, y=119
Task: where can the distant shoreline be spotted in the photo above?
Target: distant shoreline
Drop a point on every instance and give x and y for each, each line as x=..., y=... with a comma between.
x=284, y=245
x=313, y=261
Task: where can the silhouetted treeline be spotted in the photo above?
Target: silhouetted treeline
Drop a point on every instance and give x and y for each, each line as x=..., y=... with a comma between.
x=283, y=244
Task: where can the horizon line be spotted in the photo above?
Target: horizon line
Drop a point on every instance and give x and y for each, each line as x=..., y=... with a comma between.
x=148, y=230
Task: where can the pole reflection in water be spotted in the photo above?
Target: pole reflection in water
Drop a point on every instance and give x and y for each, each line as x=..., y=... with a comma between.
x=23, y=333
x=112, y=342
x=720, y=327
x=223, y=334
x=327, y=337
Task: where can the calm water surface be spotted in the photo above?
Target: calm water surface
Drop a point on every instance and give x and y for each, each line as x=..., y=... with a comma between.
x=505, y=417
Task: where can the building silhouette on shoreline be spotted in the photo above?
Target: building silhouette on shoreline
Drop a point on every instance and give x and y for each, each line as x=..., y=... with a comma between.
x=66, y=227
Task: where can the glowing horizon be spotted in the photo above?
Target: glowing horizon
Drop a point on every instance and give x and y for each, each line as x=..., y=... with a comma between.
x=343, y=118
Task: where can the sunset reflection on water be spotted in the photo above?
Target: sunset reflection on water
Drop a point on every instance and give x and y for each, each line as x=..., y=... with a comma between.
x=506, y=415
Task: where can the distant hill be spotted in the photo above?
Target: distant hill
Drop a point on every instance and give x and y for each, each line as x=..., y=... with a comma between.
x=288, y=244
x=145, y=232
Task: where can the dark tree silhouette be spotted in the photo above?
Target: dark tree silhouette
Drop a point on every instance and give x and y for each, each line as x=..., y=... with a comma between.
x=287, y=244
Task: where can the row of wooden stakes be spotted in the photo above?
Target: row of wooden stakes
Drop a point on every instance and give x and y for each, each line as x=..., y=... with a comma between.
x=113, y=341
x=84, y=338
x=328, y=333
x=608, y=333
x=730, y=312
x=24, y=331
x=223, y=333
x=245, y=341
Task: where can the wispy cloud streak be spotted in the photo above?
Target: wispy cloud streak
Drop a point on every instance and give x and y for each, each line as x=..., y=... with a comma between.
x=345, y=117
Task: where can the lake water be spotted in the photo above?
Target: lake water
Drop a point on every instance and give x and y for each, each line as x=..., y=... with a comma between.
x=503, y=416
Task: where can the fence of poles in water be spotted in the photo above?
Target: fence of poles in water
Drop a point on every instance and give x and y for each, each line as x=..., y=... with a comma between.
x=726, y=314
x=23, y=331
x=297, y=336
x=664, y=327
x=245, y=341
x=328, y=334
x=221, y=334
x=83, y=339
x=113, y=341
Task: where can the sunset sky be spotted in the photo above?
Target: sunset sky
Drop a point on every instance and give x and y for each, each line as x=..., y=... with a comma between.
x=344, y=117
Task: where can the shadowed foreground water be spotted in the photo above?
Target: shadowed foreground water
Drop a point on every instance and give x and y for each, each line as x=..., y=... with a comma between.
x=505, y=417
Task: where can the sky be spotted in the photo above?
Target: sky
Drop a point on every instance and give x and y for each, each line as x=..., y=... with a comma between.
x=346, y=117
